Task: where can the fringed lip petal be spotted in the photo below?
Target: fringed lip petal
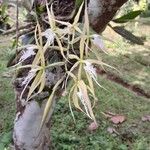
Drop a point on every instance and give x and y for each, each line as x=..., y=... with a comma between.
x=27, y=53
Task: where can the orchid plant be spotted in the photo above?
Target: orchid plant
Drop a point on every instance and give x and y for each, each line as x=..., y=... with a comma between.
x=82, y=73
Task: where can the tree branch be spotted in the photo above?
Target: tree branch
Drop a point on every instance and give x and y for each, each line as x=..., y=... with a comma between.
x=102, y=11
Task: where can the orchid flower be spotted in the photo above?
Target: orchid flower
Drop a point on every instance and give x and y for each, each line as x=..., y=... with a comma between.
x=80, y=95
x=49, y=35
x=97, y=41
x=27, y=80
x=27, y=53
x=90, y=70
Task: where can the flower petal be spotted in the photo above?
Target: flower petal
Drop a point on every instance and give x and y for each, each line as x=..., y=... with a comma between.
x=27, y=53
x=98, y=41
x=49, y=35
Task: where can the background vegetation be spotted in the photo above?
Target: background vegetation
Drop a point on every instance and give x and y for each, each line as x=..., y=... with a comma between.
x=124, y=97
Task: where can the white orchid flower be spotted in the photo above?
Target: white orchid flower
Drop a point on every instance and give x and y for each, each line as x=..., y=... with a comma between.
x=90, y=70
x=97, y=41
x=80, y=95
x=27, y=79
x=27, y=53
x=49, y=35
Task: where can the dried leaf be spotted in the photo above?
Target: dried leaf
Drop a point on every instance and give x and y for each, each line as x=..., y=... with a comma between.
x=146, y=118
x=118, y=119
x=111, y=130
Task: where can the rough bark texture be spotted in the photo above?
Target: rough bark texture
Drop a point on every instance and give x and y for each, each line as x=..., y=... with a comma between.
x=28, y=117
x=102, y=11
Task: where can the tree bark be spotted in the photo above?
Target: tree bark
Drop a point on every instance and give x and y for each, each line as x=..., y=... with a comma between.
x=29, y=115
x=103, y=11
x=27, y=134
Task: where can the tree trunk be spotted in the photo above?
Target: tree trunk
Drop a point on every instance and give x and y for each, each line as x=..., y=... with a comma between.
x=27, y=134
x=29, y=115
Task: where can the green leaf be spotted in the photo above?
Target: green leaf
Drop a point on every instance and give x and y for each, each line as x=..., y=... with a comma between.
x=78, y=3
x=128, y=17
x=127, y=35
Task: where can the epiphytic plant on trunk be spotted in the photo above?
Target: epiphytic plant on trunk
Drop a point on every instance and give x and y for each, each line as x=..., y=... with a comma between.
x=57, y=51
